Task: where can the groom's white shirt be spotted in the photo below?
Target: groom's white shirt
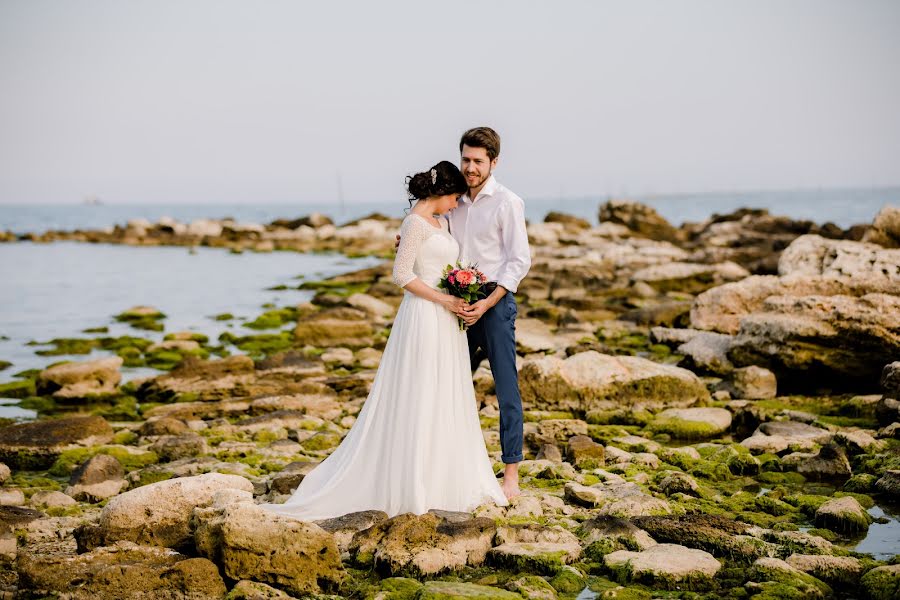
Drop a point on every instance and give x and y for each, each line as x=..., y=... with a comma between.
x=491, y=232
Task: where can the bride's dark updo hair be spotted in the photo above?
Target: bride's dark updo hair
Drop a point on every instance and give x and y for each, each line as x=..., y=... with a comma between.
x=442, y=179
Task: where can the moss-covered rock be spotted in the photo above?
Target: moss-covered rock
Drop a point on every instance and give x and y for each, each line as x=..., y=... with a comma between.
x=454, y=590
x=882, y=583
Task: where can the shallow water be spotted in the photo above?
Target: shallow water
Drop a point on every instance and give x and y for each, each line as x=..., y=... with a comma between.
x=57, y=290
x=882, y=540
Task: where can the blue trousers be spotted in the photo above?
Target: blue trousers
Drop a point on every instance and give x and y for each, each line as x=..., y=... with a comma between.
x=494, y=336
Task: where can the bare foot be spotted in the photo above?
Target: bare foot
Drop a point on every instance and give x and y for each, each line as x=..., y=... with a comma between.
x=511, y=481
x=511, y=489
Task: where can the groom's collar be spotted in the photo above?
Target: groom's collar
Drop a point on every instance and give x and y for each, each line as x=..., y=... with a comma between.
x=490, y=186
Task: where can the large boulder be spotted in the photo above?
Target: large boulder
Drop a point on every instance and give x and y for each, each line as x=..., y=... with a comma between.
x=593, y=381
x=98, y=478
x=844, y=515
x=81, y=379
x=253, y=543
x=885, y=229
x=37, y=444
x=122, y=570
x=692, y=423
x=159, y=514
x=664, y=565
x=641, y=219
x=421, y=545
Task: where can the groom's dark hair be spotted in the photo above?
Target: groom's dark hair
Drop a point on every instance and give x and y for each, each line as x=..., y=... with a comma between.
x=482, y=137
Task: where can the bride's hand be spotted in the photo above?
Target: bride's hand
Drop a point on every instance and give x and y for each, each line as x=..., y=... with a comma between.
x=453, y=304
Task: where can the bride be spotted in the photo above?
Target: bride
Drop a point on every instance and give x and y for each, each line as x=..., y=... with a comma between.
x=416, y=444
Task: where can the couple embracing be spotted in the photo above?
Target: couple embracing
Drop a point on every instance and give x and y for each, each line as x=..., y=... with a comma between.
x=417, y=443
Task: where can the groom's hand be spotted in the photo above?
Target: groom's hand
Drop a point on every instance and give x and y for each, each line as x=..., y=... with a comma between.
x=397, y=243
x=473, y=312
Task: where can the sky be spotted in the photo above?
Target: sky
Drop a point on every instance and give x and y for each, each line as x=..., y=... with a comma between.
x=289, y=101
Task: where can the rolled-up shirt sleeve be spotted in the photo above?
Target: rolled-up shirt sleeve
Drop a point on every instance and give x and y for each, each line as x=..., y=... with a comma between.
x=411, y=236
x=515, y=244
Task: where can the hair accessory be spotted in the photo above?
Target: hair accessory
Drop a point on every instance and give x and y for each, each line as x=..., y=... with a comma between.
x=433, y=176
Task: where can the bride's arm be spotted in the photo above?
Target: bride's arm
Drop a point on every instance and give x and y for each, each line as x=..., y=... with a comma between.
x=412, y=234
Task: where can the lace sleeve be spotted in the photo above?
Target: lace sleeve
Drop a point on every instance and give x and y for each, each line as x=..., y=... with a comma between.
x=412, y=233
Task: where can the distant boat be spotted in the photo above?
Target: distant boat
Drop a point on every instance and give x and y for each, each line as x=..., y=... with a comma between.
x=92, y=200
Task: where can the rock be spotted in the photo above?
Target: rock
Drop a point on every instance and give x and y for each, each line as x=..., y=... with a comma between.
x=175, y=346
x=605, y=534
x=338, y=357
x=615, y=498
x=525, y=506
x=844, y=515
x=775, y=570
x=343, y=528
x=753, y=383
x=81, y=379
x=51, y=498
x=567, y=220
x=368, y=358
x=722, y=308
x=163, y=426
x=253, y=543
x=890, y=380
x=98, y=478
x=707, y=352
x=447, y=590
x=173, y=447
x=830, y=463
x=533, y=335
x=840, y=337
x=720, y=536
x=858, y=441
x=532, y=587
x=841, y=259
x=421, y=545
x=639, y=218
x=835, y=570
x=4, y=472
x=885, y=229
x=593, y=381
x=37, y=444
x=585, y=453
x=882, y=583
x=159, y=513
x=664, y=313
x=549, y=452
x=889, y=484
x=289, y=477
x=689, y=278
x=664, y=565
x=374, y=307
x=676, y=482
x=11, y=497
x=123, y=570
x=254, y=590
x=350, y=328
x=546, y=558
x=777, y=436
x=692, y=423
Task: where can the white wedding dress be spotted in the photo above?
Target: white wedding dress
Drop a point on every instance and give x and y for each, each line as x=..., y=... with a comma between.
x=416, y=444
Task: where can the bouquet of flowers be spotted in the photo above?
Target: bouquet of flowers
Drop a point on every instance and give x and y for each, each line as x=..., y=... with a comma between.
x=463, y=282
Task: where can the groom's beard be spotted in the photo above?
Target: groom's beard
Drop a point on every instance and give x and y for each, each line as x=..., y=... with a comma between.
x=480, y=182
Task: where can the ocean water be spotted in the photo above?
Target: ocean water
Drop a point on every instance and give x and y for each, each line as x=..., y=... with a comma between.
x=842, y=207
x=57, y=290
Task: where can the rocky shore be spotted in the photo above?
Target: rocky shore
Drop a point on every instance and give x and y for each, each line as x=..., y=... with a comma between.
x=712, y=411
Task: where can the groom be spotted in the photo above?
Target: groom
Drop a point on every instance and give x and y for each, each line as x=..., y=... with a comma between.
x=489, y=225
